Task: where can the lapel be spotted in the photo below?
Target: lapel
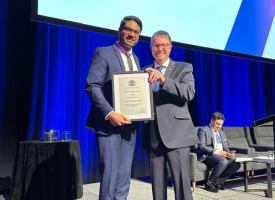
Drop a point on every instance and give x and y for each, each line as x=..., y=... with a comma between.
x=118, y=55
x=136, y=60
x=170, y=68
x=152, y=66
x=149, y=66
x=211, y=134
x=222, y=136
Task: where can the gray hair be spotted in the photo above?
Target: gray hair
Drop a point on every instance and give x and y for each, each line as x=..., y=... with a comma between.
x=161, y=33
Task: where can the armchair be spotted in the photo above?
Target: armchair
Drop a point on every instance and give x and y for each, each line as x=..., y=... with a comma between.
x=263, y=142
x=236, y=140
x=261, y=135
x=198, y=171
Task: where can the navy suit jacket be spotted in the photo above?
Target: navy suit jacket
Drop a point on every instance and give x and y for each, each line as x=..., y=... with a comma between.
x=105, y=61
x=174, y=121
x=206, y=145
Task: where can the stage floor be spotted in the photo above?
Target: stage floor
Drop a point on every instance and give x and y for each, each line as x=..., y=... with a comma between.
x=141, y=190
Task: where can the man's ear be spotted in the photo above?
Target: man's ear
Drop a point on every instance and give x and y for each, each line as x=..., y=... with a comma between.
x=171, y=47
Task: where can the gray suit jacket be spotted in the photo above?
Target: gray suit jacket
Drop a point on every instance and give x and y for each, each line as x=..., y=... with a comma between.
x=206, y=145
x=105, y=61
x=174, y=121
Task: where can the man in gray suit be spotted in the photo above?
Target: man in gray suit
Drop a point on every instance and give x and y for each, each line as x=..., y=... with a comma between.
x=115, y=134
x=214, y=152
x=169, y=136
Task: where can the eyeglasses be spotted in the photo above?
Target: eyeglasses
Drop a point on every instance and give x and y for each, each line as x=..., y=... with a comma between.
x=163, y=46
x=129, y=30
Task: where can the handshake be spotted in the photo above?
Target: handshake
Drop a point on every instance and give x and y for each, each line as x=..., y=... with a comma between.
x=226, y=154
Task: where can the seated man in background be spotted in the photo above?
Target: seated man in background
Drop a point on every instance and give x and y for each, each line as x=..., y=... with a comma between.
x=214, y=152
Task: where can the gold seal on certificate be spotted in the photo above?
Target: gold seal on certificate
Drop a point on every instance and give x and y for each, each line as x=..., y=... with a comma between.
x=132, y=95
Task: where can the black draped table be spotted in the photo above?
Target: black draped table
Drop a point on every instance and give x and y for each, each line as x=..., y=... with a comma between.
x=47, y=171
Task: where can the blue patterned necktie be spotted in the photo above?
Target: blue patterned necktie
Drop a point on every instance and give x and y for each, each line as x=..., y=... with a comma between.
x=218, y=137
x=156, y=84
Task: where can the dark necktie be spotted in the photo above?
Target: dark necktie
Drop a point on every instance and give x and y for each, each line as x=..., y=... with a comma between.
x=156, y=84
x=129, y=60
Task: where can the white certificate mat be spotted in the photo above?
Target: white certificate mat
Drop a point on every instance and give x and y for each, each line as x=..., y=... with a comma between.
x=132, y=95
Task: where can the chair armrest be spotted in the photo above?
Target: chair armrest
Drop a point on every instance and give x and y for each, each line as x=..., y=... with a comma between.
x=262, y=148
x=192, y=166
x=243, y=150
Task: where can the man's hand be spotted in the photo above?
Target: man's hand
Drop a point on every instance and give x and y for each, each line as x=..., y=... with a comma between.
x=155, y=76
x=230, y=155
x=222, y=153
x=117, y=119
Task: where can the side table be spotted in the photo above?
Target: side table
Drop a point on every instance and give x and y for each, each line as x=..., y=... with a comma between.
x=46, y=170
x=269, y=179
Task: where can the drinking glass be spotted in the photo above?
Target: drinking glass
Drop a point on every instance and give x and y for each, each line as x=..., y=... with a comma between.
x=66, y=135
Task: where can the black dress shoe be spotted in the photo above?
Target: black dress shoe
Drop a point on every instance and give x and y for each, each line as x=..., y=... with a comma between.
x=210, y=186
x=219, y=186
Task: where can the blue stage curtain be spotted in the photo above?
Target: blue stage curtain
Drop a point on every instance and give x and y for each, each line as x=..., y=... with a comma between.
x=244, y=90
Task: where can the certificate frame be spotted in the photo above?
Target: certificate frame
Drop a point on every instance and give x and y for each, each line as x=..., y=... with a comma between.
x=133, y=95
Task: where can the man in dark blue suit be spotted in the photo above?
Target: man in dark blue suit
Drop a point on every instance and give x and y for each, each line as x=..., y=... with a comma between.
x=167, y=138
x=115, y=134
x=214, y=152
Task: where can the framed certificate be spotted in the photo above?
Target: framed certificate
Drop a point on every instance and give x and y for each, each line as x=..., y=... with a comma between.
x=132, y=95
